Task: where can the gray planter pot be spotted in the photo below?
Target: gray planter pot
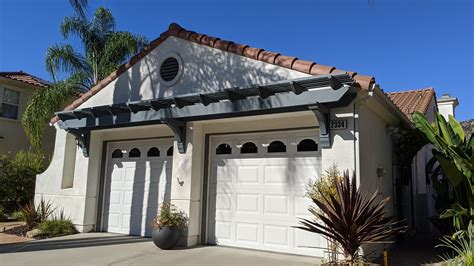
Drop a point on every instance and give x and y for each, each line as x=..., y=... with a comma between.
x=166, y=237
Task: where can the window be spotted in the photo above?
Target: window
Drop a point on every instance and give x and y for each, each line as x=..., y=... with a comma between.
x=153, y=152
x=10, y=101
x=276, y=146
x=249, y=147
x=134, y=153
x=224, y=148
x=117, y=154
x=169, y=152
x=307, y=145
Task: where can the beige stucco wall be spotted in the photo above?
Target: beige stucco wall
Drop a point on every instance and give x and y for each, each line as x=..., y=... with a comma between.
x=14, y=137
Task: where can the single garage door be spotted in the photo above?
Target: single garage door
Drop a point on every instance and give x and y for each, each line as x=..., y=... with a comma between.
x=256, y=191
x=138, y=180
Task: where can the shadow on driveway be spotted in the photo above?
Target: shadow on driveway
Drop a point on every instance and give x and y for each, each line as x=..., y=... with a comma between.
x=70, y=243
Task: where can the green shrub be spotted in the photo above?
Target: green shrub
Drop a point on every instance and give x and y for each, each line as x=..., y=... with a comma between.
x=54, y=228
x=17, y=178
x=17, y=215
x=2, y=213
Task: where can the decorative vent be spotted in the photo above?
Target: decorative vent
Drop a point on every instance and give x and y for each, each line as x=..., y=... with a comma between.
x=169, y=69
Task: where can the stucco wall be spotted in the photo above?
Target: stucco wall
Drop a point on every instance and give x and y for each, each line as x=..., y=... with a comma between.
x=14, y=137
x=375, y=151
x=204, y=69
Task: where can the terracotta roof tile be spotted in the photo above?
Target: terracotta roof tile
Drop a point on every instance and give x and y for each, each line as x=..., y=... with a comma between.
x=237, y=48
x=268, y=57
x=321, y=70
x=285, y=61
x=303, y=66
x=222, y=44
x=25, y=78
x=252, y=52
x=176, y=30
x=412, y=100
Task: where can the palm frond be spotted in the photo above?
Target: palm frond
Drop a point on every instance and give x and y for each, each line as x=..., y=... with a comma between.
x=79, y=6
x=119, y=47
x=63, y=58
x=42, y=106
x=103, y=21
x=74, y=25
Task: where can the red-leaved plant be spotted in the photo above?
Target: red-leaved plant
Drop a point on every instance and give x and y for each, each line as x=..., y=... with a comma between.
x=351, y=219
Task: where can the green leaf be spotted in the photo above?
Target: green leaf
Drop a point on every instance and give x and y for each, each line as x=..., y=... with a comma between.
x=422, y=124
x=449, y=169
x=457, y=129
x=446, y=132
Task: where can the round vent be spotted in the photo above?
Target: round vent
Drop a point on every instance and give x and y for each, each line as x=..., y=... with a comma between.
x=169, y=69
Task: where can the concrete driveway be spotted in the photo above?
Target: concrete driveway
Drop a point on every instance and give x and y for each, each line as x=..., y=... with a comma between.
x=114, y=249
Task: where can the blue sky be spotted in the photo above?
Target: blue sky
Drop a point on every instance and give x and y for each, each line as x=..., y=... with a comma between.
x=404, y=44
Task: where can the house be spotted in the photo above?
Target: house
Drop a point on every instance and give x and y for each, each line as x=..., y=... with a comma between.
x=16, y=88
x=228, y=133
x=415, y=194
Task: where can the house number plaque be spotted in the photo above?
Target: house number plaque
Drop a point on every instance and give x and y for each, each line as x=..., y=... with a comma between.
x=338, y=124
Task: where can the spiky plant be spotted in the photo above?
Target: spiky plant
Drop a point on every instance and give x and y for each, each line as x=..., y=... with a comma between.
x=351, y=219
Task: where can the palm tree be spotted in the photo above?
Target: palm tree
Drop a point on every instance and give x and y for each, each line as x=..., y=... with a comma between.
x=104, y=50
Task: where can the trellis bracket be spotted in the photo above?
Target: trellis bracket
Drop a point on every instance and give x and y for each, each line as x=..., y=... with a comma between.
x=322, y=114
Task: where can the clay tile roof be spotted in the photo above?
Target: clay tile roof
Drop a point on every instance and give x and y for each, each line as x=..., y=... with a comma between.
x=175, y=30
x=25, y=78
x=412, y=100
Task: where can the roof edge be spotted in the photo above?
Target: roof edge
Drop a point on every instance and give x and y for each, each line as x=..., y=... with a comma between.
x=175, y=30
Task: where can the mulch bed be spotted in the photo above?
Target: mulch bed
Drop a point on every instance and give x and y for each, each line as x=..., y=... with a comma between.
x=18, y=230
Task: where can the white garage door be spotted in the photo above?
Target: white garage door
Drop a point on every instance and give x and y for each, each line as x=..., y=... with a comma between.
x=138, y=179
x=256, y=191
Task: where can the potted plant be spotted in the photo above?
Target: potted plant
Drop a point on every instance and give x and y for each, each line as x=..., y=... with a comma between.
x=168, y=225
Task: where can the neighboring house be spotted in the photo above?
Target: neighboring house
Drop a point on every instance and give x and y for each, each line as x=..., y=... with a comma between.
x=16, y=88
x=414, y=192
x=228, y=133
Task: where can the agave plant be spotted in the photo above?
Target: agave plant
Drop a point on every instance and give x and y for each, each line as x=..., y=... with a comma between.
x=351, y=219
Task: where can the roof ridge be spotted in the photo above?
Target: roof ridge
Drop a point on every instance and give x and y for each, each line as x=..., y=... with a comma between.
x=412, y=90
x=175, y=30
x=308, y=67
x=37, y=81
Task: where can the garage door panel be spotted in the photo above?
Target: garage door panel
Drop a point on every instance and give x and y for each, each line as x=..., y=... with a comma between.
x=276, y=205
x=134, y=187
x=248, y=175
x=256, y=199
x=276, y=174
x=276, y=235
x=247, y=232
x=247, y=203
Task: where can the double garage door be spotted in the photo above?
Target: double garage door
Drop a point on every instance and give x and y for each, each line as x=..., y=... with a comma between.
x=138, y=180
x=256, y=191
x=255, y=194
